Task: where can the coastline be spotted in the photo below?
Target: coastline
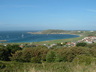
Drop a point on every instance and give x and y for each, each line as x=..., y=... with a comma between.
x=55, y=33
x=47, y=32
x=59, y=40
x=49, y=41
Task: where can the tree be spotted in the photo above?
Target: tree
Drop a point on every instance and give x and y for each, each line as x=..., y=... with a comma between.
x=81, y=44
x=4, y=54
x=13, y=48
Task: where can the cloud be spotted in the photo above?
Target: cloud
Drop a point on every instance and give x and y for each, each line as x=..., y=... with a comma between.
x=91, y=10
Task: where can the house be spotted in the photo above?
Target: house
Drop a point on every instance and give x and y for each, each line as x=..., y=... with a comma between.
x=22, y=45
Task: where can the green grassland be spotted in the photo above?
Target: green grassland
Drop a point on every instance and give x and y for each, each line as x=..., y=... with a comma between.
x=59, y=40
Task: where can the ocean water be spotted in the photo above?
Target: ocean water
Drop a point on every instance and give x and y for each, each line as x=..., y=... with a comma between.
x=23, y=36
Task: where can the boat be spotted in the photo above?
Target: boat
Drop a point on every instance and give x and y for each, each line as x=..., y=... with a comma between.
x=22, y=35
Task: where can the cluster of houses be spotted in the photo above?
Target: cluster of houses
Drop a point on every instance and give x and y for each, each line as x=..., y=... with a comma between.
x=89, y=40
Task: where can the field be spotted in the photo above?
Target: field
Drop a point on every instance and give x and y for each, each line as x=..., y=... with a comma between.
x=59, y=40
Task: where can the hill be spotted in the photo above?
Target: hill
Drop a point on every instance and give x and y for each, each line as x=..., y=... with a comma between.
x=53, y=31
x=57, y=32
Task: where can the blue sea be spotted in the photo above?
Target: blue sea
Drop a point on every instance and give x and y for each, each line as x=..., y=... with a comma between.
x=23, y=36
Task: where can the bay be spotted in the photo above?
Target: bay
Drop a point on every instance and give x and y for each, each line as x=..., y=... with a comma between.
x=23, y=36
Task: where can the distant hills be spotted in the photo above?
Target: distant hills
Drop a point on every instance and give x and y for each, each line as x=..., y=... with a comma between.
x=58, y=32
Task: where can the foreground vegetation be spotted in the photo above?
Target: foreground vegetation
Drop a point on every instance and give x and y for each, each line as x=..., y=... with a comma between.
x=47, y=67
x=41, y=59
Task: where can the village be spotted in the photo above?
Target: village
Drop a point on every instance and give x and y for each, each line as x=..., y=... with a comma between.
x=88, y=40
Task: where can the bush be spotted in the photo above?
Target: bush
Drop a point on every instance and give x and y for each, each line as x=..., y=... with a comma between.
x=59, y=58
x=70, y=53
x=50, y=56
x=83, y=59
x=27, y=54
x=13, y=48
x=17, y=56
x=93, y=52
x=2, y=65
x=4, y=54
x=81, y=44
x=35, y=60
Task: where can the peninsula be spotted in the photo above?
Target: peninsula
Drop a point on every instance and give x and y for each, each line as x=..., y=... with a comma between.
x=57, y=32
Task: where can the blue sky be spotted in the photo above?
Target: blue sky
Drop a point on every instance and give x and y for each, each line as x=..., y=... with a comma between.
x=47, y=14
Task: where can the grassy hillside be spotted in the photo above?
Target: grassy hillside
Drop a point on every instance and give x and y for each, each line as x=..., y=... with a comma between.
x=53, y=31
x=59, y=40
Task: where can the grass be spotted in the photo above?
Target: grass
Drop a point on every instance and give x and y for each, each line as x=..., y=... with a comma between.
x=59, y=40
x=48, y=67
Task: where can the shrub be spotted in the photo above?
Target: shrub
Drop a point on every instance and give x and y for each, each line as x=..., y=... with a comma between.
x=35, y=60
x=13, y=48
x=17, y=56
x=2, y=65
x=59, y=58
x=50, y=56
x=70, y=53
x=93, y=52
x=81, y=44
x=4, y=54
x=80, y=59
x=27, y=54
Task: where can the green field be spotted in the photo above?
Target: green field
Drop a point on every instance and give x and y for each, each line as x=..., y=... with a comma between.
x=59, y=40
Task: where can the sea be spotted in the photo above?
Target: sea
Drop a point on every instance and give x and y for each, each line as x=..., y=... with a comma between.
x=24, y=36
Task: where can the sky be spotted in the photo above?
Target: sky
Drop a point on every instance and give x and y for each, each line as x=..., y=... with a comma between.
x=47, y=14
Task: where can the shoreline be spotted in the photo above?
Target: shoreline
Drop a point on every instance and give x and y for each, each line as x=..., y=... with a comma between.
x=51, y=41
x=5, y=41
